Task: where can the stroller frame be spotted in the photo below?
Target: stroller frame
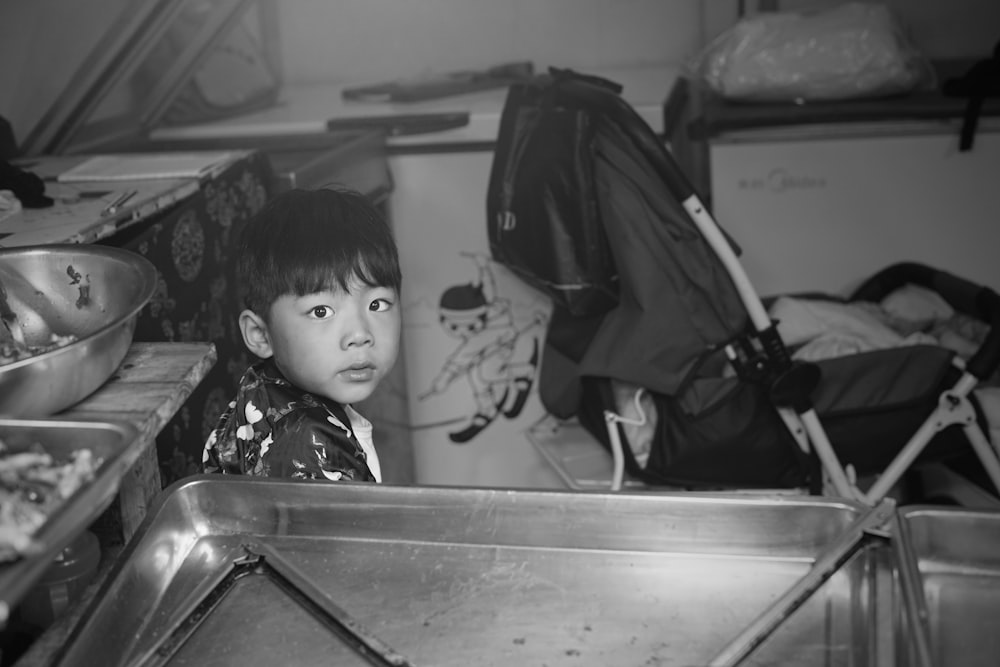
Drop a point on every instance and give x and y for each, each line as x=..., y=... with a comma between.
x=954, y=405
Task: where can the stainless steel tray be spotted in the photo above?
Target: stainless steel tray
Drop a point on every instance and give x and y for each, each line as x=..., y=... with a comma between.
x=460, y=576
x=110, y=444
x=957, y=556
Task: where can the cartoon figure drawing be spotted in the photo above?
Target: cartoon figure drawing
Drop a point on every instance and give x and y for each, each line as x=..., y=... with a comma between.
x=498, y=360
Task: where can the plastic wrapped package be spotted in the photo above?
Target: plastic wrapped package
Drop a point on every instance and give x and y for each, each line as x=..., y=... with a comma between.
x=849, y=51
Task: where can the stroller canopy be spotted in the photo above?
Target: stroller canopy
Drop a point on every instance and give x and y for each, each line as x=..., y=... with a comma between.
x=577, y=174
x=676, y=299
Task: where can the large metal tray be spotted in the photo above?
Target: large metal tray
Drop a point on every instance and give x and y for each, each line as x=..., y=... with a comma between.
x=956, y=553
x=461, y=576
x=110, y=444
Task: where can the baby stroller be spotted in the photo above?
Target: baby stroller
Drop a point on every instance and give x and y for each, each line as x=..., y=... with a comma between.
x=650, y=301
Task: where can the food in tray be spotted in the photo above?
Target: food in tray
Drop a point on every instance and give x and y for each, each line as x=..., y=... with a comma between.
x=33, y=484
x=11, y=350
x=13, y=346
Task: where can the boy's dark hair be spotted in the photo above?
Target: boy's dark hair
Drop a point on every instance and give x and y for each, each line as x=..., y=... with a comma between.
x=305, y=241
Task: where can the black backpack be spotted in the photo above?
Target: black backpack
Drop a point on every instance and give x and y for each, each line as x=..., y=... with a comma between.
x=585, y=203
x=544, y=220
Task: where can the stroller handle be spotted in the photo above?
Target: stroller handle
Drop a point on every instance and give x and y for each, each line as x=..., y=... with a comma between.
x=962, y=295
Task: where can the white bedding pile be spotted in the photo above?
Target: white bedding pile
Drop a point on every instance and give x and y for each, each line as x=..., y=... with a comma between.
x=821, y=329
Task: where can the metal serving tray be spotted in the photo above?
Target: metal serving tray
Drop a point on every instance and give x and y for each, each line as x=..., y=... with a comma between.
x=462, y=576
x=957, y=556
x=110, y=444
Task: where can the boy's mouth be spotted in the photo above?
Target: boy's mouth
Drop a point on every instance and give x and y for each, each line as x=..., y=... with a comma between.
x=362, y=372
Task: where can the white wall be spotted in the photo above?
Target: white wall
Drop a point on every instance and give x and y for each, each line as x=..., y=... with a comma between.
x=43, y=41
x=351, y=40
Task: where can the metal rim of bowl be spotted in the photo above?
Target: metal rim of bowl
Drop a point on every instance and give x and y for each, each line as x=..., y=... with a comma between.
x=145, y=269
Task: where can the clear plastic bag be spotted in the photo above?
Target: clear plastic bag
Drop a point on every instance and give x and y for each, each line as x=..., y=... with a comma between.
x=849, y=51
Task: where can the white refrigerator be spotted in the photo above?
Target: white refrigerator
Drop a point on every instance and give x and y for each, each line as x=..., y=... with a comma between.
x=820, y=196
x=824, y=207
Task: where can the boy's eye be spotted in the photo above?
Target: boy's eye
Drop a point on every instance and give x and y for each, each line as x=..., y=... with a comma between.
x=379, y=305
x=321, y=312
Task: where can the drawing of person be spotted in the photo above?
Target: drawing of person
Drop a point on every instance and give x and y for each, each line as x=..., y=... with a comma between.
x=496, y=358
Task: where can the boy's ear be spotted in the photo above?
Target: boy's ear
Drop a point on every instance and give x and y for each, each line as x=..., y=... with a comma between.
x=255, y=334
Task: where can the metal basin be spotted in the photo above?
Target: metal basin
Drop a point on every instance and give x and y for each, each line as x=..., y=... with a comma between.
x=956, y=553
x=88, y=291
x=455, y=576
x=113, y=447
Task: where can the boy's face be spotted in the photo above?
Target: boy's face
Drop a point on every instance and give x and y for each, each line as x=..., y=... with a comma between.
x=336, y=344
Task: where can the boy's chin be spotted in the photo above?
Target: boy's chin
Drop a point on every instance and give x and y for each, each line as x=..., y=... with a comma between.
x=352, y=395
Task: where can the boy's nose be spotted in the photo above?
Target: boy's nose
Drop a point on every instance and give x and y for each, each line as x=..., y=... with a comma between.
x=359, y=334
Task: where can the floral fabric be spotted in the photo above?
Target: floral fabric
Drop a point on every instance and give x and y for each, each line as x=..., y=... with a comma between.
x=274, y=429
x=196, y=298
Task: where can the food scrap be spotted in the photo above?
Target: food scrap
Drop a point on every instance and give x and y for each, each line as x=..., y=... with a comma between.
x=11, y=350
x=33, y=484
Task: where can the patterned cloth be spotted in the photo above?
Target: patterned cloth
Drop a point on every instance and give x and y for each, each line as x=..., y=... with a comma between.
x=274, y=429
x=197, y=299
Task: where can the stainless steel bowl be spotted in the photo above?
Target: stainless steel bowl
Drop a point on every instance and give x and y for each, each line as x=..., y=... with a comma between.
x=91, y=292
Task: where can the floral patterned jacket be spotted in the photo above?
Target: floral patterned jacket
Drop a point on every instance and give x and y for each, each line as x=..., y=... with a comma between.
x=273, y=429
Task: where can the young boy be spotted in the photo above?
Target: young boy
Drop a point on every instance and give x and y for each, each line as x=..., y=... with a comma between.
x=320, y=273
